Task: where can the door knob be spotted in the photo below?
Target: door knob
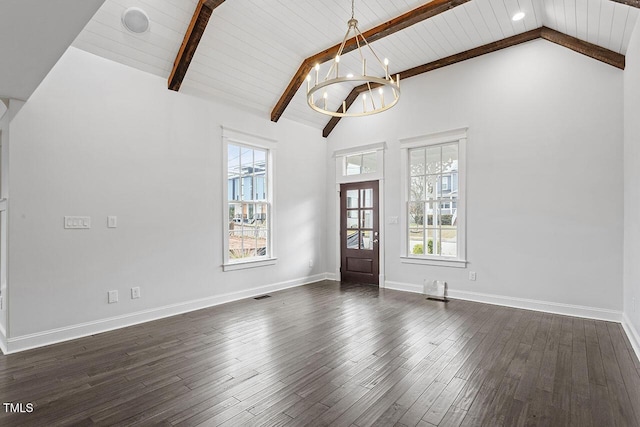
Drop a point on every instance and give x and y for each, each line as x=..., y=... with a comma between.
x=375, y=240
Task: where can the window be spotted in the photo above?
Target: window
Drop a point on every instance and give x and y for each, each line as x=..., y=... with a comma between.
x=433, y=214
x=248, y=200
x=358, y=164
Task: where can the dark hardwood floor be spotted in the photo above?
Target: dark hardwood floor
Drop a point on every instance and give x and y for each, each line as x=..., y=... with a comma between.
x=335, y=354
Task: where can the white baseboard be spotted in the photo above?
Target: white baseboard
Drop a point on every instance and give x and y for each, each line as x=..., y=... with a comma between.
x=527, y=304
x=53, y=336
x=632, y=334
x=3, y=340
x=330, y=276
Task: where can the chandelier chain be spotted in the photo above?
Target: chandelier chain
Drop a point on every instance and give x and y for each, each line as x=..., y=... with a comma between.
x=352, y=8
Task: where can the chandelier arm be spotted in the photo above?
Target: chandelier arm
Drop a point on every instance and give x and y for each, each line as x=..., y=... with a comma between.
x=370, y=48
x=344, y=41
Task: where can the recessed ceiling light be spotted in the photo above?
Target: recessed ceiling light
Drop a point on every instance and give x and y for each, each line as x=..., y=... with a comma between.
x=135, y=20
x=518, y=16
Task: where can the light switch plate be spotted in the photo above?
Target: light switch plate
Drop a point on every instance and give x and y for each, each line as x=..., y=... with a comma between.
x=112, y=221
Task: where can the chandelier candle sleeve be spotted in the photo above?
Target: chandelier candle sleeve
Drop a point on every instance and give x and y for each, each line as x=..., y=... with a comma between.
x=338, y=85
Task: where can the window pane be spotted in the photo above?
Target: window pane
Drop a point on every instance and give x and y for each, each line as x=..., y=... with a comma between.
x=433, y=160
x=260, y=215
x=260, y=188
x=247, y=188
x=352, y=219
x=261, y=234
x=369, y=162
x=416, y=241
x=353, y=239
x=417, y=191
x=450, y=157
x=430, y=187
x=233, y=160
x=235, y=213
x=449, y=237
x=259, y=160
x=416, y=214
x=433, y=242
x=367, y=240
x=352, y=198
x=431, y=214
x=416, y=161
x=366, y=220
x=246, y=158
x=366, y=198
x=353, y=164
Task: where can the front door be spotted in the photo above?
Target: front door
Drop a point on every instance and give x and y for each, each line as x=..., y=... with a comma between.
x=359, y=236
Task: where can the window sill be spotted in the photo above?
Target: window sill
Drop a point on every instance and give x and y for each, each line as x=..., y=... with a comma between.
x=242, y=265
x=455, y=263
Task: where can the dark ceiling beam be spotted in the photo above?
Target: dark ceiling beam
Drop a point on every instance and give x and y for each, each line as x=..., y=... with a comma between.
x=588, y=49
x=632, y=3
x=192, y=37
x=596, y=52
x=426, y=11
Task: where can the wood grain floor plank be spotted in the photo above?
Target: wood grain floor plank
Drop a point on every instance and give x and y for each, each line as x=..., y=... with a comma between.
x=338, y=354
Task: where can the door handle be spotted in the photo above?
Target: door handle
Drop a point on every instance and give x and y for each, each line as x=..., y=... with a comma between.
x=375, y=240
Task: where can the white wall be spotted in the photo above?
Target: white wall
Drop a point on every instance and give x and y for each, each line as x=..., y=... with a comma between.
x=545, y=180
x=97, y=139
x=632, y=190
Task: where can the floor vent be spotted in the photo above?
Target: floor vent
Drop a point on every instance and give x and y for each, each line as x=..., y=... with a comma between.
x=263, y=297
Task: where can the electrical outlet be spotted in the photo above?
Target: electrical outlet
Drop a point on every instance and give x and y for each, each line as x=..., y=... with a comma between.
x=78, y=222
x=310, y=263
x=135, y=292
x=472, y=275
x=113, y=297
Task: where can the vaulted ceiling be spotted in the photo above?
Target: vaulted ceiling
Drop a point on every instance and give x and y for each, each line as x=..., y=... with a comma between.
x=251, y=49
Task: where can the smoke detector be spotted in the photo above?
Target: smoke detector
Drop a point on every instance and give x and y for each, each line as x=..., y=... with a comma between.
x=135, y=20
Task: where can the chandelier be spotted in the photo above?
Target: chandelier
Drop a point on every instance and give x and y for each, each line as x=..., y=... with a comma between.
x=318, y=90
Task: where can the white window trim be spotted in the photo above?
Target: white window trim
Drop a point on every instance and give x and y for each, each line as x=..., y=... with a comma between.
x=236, y=137
x=456, y=135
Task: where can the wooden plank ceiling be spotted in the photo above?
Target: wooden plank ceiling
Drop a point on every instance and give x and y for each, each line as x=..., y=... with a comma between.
x=249, y=51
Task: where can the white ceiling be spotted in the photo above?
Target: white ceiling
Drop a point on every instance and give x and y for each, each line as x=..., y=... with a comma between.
x=33, y=36
x=252, y=48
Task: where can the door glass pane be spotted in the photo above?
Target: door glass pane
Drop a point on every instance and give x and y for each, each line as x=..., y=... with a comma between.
x=416, y=241
x=352, y=219
x=417, y=162
x=352, y=198
x=366, y=218
x=367, y=240
x=366, y=198
x=353, y=239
